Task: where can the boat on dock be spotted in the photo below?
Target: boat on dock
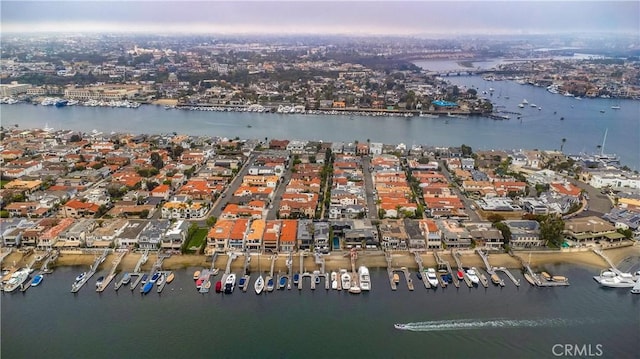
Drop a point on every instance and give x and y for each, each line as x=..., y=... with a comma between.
x=419, y=275
x=529, y=279
x=432, y=278
x=354, y=289
x=37, y=280
x=258, y=286
x=99, y=281
x=559, y=278
x=270, y=284
x=230, y=283
x=636, y=287
x=296, y=278
x=345, y=278
x=155, y=277
x=126, y=278
x=496, y=280
x=170, y=277
x=365, y=279
x=16, y=280
x=160, y=280
x=146, y=288
x=81, y=276
x=196, y=275
x=334, y=280
x=282, y=283
x=611, y=279
x=546, y=276
x=460, y=274
x=199, y=283
x=473, y=276
x=218, y=286
x=396, y=278
x=144, y=278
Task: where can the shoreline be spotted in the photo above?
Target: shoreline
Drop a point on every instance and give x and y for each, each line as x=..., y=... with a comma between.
x=340, y=260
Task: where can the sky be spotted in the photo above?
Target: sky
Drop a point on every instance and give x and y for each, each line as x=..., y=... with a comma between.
x=323, y=17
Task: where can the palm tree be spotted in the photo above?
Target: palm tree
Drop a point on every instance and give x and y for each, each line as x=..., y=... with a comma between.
x=562, y=145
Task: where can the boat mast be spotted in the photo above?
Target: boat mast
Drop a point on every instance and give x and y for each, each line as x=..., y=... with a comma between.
x=603, y=142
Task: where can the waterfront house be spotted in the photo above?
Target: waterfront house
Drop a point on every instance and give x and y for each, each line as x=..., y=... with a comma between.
x=128, y=236
x=175, y=235
x=271, y=235
x=253, y=240
x=454, y=235
x=105, y=235
x=218, y=236
x=590, y=230
x=49, y=237
x=485, y=236
x=76, y=235
x=238, y=235
x=393, y=234
x=288, y=235
x=79, y=209
x=525, y=234
x=305, y=234
x=416, y=239
x=153, y=234
x=431, y=233
x=321, y=236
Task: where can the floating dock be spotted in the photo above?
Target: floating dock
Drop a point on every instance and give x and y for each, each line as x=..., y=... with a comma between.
x=445, y=264
x=425, y=281
x=94, y=267
x=112, y=274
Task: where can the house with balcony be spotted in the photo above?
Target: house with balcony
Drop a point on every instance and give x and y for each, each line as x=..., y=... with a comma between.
x=153, y=233
x=219, y=235
x=393, y=234
x=128, y=237
x=525, y=234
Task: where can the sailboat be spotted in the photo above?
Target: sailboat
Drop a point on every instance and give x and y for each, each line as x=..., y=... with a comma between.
x=604, y=157
x=258, y=286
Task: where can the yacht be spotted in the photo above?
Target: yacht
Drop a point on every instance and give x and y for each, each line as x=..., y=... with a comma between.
x=16, y=280
x=126, y=278
x=346, y=280
x=230, y=283
x=473, y=277
x=258, y=286
x=524, y=101
x=611, y=279
x=636, y=287
x=99, y=281
x=81, y=276
x=431, y=277
x=365, y=280
x=615, y=107
x=334, y=280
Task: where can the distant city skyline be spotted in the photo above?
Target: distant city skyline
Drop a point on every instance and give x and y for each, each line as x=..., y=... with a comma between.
x=323, y=17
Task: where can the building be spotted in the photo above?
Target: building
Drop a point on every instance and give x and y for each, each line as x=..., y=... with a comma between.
x=524, y=234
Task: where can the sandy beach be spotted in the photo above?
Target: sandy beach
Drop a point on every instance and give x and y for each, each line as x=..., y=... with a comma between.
x=339, y=260
x=165, y=102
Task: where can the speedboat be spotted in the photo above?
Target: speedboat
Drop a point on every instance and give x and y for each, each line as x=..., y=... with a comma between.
x=99, y=281
x=365, y=279
x=218, y=286
x=354, y=289
x=546, y=276
x=126, y=278
x=460, y=274
x=259, y=285
x=199, y=283
x=400, y=326
x=154, y=277
x=614, y=280
x=431, y=277
x=346, y=280
x=170, y=277
x=270, y=284
x=230, y=283
x=144, y=278
x=37, y=280
x=296, y=278
x=160, y=279
x=496, y=280
x=147, y=287
x=636, y=288
x=473, y=277
x=396, y=278
x=283, y=282
x=419, y=275
x=196, y=275
x=242, y=282
x=81, y=276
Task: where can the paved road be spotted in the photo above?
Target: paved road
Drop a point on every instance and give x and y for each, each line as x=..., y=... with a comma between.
x=277, y=196
x=473, y=216
x=222, y=201
x=599, y=203
x=368, y=186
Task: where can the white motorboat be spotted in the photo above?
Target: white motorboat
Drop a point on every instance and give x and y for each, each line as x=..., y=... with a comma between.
x=355, y=289
x=258, y=286
x=16, y=280
x=230, y=283
x=346, y=280
x=334, y=280
x=636, y=287
x=612, y=279
x=400, y=326
x=473, y=276
x=431, y=277
x=365, y=279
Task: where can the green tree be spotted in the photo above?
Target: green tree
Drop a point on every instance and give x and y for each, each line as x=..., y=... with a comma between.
x=551, y=228
x=211, y=221
x=156, y=160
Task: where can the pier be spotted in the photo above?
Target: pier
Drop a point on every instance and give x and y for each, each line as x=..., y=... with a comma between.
x=135, y=282
x=456, y=257
x=112, y=273
x=421, y=270
x=442, y=263
x=231, y=257
x=355, y=278
x=245, y=271
x=509, y=274
x=387, y=256
x=302, y=273
x=164, y=282
x=141, y=261
x=94, y=267
x=489, y=268
x=601, y=254
x=290, y=269
x=391, y=271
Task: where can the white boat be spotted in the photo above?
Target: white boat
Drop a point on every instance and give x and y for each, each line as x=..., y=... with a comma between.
x=614, y=107
x=533, y=105
x=524, y=101
x=16, y=280
x=346, y=280
x=473, y=277
x=612, y=279
x=431, y=277
x=365, y=279
x=160, y=280
x=258, y=286
x=636, y=287
x=521, y=105
x=230, y=283
x=400, y=326
x=334, y=280
x=355, y=289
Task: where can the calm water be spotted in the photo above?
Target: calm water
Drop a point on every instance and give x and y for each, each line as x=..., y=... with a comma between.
x=583, y=127
x=520, y=322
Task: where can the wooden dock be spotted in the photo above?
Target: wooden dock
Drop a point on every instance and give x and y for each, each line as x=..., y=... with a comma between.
x=407, y=276
x=425, y=281
x=141, y=261
x=289, y=263
x=456, y=257
x=387, y=256
x=135, y=282
x=509, y=274
x=111, y=274
x=92, y=270
x=442, y=262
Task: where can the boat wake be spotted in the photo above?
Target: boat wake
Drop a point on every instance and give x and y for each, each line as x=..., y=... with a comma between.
x=469, y=324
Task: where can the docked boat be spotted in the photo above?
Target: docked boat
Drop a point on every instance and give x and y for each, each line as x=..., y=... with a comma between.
x=100, y=281
x=147, y=287
x=614, y=280
x=529, y=279
x=546, y=276
x=170, y=277
x=396, y=278
x=431, y=277
x=207, y=285
x=559, y=278
x=258, y=286
x=615, y=107
x=365, y=279
x=81, y=276
x=296, y=278
x=196, y=275
x=161, y=280
x=61, y=103
x=154, y=277
x=126, y=278
x=145, y=277
x=345, y=278
x=16, y=280
x=282, y=283
x=496, y=280
x=230, y=283
x=218, y=286
x=524, y=101
x=199, y=283
x=354, y=289
x=37, y=280
x=334, y=280
x=270, y=284
x=473, y=276
x=242, y=282
x=636, y=287
x=460, y=274
x=419, y=275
